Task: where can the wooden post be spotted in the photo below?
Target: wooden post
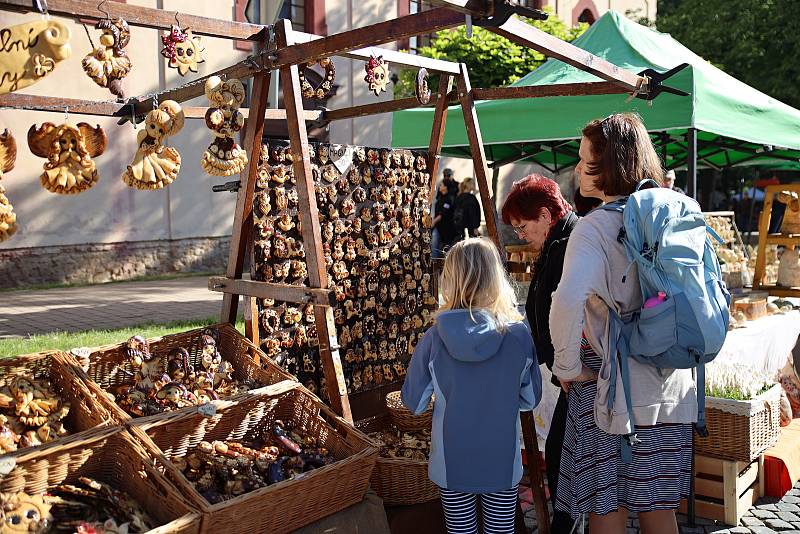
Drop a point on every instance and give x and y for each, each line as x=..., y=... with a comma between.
x=312, y=236
x=437, y=132
x=467, y=100
x=243, y=220
x=535, y=473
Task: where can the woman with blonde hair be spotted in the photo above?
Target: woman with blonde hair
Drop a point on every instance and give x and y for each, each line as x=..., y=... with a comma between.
x=466, y=210
x=478, y=360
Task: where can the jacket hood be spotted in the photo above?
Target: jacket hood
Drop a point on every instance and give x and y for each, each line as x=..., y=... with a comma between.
x=469, y=338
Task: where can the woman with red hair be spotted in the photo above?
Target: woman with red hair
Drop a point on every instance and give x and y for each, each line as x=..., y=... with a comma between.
x=541, y=216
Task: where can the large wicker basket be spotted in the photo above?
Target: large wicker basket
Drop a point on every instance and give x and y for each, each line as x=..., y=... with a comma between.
x=109, y=455
x=399, y=481
x=85, y=412
x=403, y=418
x=741, y=430
x=108, y=366
x=287, y=505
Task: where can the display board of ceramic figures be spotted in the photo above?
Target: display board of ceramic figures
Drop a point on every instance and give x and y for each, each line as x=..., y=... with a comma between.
x=373, y=208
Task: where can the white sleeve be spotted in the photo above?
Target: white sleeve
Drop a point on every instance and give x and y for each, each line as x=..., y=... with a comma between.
x=584, y=274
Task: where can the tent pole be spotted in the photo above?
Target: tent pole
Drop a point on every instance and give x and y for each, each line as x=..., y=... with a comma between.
x=691, y=175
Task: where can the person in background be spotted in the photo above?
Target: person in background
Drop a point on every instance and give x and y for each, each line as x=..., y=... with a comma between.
x=466, y=210
x=669, y=181
x=616, y=154
x=478, y=360
x=450, y=182
x=541, y=216
x=442, y=224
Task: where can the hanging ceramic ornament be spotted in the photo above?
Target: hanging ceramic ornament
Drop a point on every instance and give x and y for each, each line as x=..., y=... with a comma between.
x=223, y=156
x=108, y=64
x=322, y=90
x=421, y=89
x=8, y=155
x=377, y=74
x=182, y=49
x=69, y=151
x=30, y=51
x=155, y=165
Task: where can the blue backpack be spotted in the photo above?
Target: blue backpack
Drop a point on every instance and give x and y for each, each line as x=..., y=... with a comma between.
x=665, y=234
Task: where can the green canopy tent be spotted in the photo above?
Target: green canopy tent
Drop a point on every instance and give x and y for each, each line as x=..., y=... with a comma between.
x=724, y=122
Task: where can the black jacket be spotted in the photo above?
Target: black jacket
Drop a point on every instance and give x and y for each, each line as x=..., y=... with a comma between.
x=466, y=215
x=547, y=275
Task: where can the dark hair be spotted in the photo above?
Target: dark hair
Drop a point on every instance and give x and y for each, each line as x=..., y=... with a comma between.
x=623, y=154
x=584, y=205
x=529, y=195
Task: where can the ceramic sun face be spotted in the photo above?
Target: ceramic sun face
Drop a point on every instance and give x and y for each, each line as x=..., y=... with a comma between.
x=183, y=50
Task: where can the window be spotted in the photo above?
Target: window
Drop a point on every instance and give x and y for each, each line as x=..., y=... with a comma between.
x=294, y=10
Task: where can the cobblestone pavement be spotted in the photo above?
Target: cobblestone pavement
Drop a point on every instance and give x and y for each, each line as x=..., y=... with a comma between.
x=767, y=516
x=106, y=306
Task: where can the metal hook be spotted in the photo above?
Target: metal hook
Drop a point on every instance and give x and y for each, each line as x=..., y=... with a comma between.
x=155, y=101
x=66, y=114
x=177, y=21
x=41, y=5
x=100, y=9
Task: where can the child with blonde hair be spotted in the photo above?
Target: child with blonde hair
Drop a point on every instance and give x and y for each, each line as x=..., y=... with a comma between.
x=478, y=360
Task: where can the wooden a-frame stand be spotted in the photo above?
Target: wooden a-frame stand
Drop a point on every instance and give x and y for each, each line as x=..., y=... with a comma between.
x=281, y=48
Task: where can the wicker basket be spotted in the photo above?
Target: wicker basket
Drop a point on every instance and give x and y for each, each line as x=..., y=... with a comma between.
x=281, y=507
x=403, y=418
x=741, y=430
x=399, y=481
x=85, y=412
x=108, y=366
x=109, y=455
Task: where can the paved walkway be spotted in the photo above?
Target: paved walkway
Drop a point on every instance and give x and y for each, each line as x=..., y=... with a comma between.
x=769, y=515
x=105, y=306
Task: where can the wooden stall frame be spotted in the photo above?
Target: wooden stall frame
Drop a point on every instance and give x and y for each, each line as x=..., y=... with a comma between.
x=283, y=49
x=765, y=238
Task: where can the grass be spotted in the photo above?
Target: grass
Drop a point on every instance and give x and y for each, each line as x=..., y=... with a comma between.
x=92, y=338
x=151, y=278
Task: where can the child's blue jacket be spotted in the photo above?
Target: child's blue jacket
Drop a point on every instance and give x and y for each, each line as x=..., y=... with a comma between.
x=482, y=379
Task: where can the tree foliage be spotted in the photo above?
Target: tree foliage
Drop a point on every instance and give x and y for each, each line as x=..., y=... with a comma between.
x=493, y=60
x=756, y=42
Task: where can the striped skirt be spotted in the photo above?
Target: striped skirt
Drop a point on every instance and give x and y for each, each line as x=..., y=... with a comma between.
x=592, y=476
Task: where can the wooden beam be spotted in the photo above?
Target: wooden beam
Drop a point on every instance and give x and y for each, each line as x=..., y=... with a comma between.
x=437, y=132
x=534, y=472
x=520, y=32
x=392, y=56
x=475, y=8
x=143, y=17
x=58, y=104
x=273, y=114
x=243, y=220
x=372, y=35
x=540, y=91
x=478, y=157
x=373, y=109
x=312, y=236
x=267, y=290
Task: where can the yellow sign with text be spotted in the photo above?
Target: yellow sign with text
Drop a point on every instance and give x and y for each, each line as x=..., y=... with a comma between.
x=30, y=51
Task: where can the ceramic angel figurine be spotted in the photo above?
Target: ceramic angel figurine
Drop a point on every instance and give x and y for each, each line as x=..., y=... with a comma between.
x=224, y=156
x=8, y=155
x=155, y=165
x=69, y=151
x=108, y=64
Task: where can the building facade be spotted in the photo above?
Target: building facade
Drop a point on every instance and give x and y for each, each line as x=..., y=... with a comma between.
x=112, y=232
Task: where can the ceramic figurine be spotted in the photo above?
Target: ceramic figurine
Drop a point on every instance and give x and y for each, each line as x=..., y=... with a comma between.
x=182, y=49
x=224, y=156
x=155, y=165
x=8, y=156
x=69, y=151
x=108, y=64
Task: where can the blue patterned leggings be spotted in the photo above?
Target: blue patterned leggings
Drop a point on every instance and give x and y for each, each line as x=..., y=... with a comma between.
x=461, y=511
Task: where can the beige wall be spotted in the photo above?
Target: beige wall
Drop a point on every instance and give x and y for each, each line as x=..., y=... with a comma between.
x=343, y=15
x=110, y=211
x=568, y=10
